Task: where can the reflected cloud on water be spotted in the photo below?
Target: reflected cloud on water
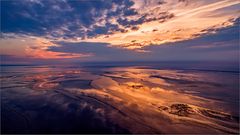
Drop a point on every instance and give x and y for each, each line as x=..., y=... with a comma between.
x=120, y=100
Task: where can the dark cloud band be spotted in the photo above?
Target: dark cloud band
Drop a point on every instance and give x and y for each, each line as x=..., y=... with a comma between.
x=69, y=19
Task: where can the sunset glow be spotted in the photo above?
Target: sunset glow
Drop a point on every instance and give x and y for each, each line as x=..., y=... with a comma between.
x=119, y=66
x=149, y=23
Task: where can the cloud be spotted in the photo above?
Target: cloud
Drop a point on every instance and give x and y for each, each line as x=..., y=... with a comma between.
x=162, y=17
x=16, y=60
x=68, y=19
x=100, y=51
x=222, y=45
x=120, y=29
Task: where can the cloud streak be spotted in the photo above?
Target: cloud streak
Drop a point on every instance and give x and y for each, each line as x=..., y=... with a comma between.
x=117, y=29
x=69, y=19
x=222, y=45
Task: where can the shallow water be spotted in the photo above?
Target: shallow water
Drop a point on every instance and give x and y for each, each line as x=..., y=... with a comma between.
x=118, y=99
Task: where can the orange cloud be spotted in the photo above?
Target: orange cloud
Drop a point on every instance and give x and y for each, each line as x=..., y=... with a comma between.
x=190, y=20
x=39, y=50
x=35, y=48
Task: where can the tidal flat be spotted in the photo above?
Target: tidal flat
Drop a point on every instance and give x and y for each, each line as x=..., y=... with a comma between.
x=119, y=99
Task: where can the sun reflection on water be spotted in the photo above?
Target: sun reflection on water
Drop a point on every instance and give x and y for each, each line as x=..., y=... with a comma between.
x=148, y=97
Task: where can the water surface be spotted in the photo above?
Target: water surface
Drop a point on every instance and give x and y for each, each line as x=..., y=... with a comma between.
x=120, y=98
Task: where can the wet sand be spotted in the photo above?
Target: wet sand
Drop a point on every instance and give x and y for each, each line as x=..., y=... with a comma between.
x=119, y=100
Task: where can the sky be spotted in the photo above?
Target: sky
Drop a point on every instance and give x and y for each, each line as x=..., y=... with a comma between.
x=119, y=30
